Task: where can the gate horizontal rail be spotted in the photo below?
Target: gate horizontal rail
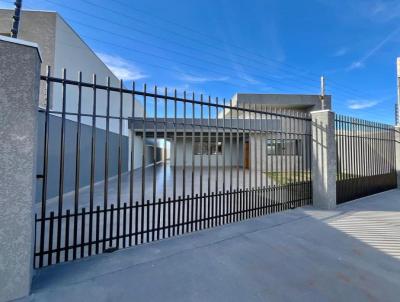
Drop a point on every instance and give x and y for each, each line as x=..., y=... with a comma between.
x=121, y=167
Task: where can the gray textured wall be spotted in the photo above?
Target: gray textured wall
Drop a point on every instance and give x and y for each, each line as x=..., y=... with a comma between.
x=70, y=154
x=38, y=27
x=323, y=159
x=19, y=98
x=61, y=47
x=373, y=156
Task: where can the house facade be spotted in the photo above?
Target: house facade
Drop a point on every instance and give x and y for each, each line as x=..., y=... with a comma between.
x=277, y=151
x=196, y=142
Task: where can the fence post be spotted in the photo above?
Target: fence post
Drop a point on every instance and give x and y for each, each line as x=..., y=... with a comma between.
x=19, y=98
x=397, y=142
x=323, y=160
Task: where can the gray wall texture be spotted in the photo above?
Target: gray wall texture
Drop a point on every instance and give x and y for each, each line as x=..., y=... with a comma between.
x=323, y=159
x=61, y=47
x=38, y=27
x=19, y=99
x=54, y=154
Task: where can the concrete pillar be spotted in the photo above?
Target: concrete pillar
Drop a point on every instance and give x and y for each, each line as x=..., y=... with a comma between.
x=19, y=98
x=398, y=154
x=323, y=159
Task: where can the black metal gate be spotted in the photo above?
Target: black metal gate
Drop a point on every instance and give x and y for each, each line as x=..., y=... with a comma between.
x=121, y=167
x=366, y=158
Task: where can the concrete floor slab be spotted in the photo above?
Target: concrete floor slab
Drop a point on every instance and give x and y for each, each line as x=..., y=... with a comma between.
x=154, y=177
x=351, y=253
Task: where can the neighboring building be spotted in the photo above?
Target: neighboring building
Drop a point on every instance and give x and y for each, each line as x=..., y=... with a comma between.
x=61, y=47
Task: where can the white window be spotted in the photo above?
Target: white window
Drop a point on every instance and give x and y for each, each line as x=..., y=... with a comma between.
x=203, y=148
x=284, y=147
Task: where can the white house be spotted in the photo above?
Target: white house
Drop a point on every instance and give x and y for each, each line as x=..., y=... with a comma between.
x=196, y=143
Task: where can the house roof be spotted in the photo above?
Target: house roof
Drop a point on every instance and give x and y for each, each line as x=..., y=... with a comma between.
x=290, y=101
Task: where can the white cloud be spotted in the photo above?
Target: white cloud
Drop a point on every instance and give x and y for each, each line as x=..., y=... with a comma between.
x=356, y=65
x=383, y=10
x=123, y=69
x=241, y=74
x=248, y=78
x=340, y=52
x=180, y=88
x=377, y=11
x=362, y=104
x=201, y=79
x=361, y=62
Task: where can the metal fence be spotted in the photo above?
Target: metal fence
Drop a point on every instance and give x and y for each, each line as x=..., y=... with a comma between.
x=145, y=165
x=366, y=153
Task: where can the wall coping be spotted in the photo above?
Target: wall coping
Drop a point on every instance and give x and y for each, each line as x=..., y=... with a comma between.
x=321, y=111
x=22, y=42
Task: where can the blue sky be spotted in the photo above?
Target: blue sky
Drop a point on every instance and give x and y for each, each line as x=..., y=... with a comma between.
x=221, y=47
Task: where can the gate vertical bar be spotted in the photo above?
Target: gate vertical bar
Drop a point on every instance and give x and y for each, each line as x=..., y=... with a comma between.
x=119, y=177
x=193, y=164
x=184, y=151
x=92, y=165
x=155, y=121
x=132, y=156
x=77, y=163
x=45, y=167
x=165, y=159
x=106, y=151
x=144, y=147
x=61, y=172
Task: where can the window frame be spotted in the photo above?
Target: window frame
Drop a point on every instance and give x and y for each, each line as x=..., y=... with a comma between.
x=274, y=147
x=213, y=149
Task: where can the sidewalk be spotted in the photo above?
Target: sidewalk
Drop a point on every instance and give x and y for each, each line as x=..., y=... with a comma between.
x=349, y=254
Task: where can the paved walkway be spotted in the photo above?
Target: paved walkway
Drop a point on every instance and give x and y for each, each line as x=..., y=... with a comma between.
x=349, y=254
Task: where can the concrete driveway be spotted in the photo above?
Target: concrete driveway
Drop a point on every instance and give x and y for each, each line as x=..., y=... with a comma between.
x=216, y=181
x=349, y=254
